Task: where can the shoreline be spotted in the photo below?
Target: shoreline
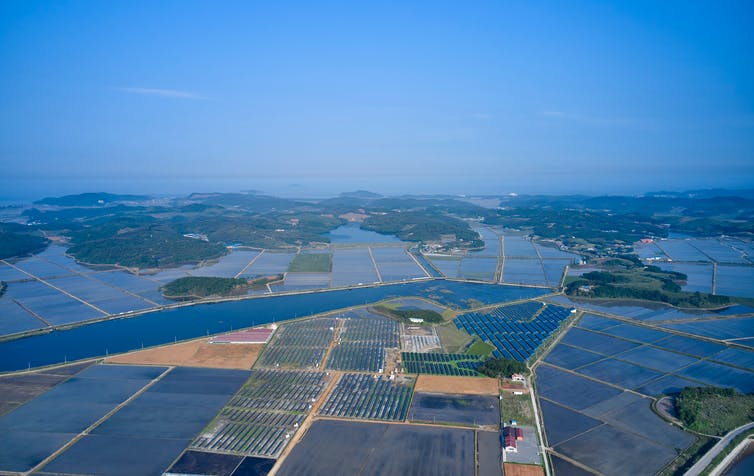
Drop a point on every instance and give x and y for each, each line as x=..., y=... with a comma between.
x=743, y=450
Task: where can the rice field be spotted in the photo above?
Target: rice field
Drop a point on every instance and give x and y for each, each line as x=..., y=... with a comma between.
x=353, y=266
x=34, y=431
x=478, y=269
x=579, y=413
x=521, y=261
x=524, y=271
x=596, y=385
x=735, y=280
x=395, y=264
x=268, y=264
x=229, y=266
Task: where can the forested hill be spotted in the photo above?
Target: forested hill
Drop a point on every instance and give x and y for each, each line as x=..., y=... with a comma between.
x=90, y=199
x=18, y=240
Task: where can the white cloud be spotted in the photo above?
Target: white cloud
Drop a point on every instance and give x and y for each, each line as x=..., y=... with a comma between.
x=166, y=93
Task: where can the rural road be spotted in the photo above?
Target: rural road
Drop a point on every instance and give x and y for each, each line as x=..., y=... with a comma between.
x=705, y=460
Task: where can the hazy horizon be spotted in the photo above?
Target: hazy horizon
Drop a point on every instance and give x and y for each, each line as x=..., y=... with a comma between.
x=25, y=191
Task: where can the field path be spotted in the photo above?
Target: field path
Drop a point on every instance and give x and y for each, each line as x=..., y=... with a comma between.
x=333, y=342
x=374, y=263
x=60, y=290
x=248, y=265
x=97, y=423
x=334, y=378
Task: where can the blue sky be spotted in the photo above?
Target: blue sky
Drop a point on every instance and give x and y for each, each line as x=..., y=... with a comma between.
x=612, y=97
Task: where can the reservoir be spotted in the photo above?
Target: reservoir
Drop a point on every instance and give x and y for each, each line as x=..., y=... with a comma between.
x=166, y=326
x=351, y=233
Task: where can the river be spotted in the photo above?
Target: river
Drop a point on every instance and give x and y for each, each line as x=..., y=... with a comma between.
x=165, y=326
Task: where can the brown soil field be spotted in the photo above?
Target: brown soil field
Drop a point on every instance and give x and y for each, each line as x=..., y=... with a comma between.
x=514, y=387
x=511, y=469
x=196, y=353
x=458, y=385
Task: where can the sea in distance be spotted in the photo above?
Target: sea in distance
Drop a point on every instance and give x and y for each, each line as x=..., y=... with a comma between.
x=26, y=190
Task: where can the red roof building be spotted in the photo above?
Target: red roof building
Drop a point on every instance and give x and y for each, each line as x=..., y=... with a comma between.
x=512, y=434
x=509, y=444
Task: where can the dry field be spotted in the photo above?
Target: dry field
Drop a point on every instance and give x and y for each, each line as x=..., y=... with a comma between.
x=457, y=385
x=512, y=469
x=510, y=387
x=196, y=353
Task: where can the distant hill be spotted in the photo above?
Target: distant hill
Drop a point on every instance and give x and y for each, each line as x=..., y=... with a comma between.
x=90, y=199
x=360, y=194
x=246, y=201
x=709, y=193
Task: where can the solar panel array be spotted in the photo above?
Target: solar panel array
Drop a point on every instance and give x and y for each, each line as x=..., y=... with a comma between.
x=441, y=364
x=362, y=344
x=364, y=396
x=516, y=331
x=260, y=419
x=299, y=344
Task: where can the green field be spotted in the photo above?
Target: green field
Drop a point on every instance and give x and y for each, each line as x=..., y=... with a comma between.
x=311, y=263
x=437, y=363
x=517, y=407
x=453, y=339
x=405, y=315
x=480, y=348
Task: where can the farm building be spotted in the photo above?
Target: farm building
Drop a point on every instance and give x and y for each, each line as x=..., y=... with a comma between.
x=518, y=378
x=512, y=434
x=509, y=444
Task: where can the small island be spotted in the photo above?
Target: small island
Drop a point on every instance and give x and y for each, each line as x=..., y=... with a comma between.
x=199, y=287
x=427, y=316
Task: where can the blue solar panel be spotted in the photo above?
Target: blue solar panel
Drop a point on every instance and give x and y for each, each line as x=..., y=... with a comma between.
x=516, y=331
